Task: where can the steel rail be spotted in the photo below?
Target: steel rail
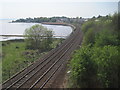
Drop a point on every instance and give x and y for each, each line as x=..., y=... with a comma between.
x=34, y=68
x=40, y=68
x=51, y=68
x=36, y=71
x=30, y=71
x=46, y=81
x=58, y=49
x=47, y=56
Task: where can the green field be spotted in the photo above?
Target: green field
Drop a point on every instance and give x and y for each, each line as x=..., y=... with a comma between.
x=15, y=56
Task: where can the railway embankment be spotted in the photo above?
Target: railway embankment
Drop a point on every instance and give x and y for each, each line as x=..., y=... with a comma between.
x=46, y=71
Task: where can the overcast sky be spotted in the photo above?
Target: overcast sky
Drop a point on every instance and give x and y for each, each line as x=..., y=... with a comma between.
x=48, y=8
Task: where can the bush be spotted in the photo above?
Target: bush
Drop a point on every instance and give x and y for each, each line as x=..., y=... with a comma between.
x=89, y=37
x=97, y=62
x=83, y=69
x=87, y=25
x=108, y=26
x=107, y=61
x=38, y=37
x=95, y=67
x=106, y=37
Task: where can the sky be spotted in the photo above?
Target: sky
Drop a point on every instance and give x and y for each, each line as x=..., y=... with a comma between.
x=48, y=8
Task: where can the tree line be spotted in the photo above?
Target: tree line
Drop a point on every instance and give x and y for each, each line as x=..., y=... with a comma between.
x=50, y=19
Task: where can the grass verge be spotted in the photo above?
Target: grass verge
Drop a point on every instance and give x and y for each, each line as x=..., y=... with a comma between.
x=15, y=56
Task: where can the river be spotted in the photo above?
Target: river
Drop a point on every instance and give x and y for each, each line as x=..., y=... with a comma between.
x=7, y=28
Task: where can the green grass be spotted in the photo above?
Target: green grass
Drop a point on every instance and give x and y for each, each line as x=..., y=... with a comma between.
x=56, y=41
x=15, y=57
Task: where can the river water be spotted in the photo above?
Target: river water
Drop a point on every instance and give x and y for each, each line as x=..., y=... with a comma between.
x=7, y=28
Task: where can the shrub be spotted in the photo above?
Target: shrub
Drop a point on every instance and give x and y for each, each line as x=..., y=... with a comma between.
x=106, y=37
x=38, y=37
x=83, y=69
x=97, y=62
x=95, y=67
x=107, y=61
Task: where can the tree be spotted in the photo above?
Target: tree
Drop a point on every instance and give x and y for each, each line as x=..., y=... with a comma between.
x=99, y=16
x=93, y=17
x=38, y=37
x=83, y=69
x=102, y=39
x=97, y=62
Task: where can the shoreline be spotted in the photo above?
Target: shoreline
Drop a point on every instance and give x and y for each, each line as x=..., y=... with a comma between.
x=50, y=23
x=59, y=23
x=24, y=36
x=46, y=23
x=55, y=23
x=12, y=35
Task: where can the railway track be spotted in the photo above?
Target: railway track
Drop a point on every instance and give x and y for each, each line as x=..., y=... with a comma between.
x=38, y=74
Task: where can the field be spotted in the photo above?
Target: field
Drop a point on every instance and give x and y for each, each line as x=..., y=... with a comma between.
x=15, y=56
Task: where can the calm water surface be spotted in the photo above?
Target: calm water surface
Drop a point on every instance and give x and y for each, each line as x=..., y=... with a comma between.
x=7, y=28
